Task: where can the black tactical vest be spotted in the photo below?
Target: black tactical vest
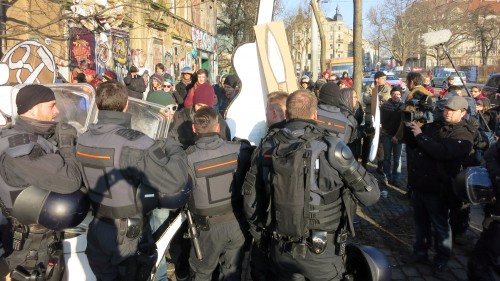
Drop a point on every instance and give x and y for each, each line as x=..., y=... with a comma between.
x=16, y=144
x=335, y=123
x=213, y=176
x=99, y=151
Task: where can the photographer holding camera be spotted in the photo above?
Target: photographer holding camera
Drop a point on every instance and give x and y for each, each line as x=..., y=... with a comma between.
x=441, y=149
x=135, y=83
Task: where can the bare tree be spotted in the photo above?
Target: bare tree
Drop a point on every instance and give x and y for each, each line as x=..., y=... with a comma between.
x=358, y=42
x=322, y=39
x=298, y=29
x=484, y=29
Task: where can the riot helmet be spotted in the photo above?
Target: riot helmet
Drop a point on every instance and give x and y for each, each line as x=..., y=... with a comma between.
x=473, y=185
x=52, y=210
x=148, y=198
x=366, y=263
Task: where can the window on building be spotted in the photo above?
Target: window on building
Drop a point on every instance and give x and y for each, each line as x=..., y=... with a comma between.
x=338, y=46
x=339, y=27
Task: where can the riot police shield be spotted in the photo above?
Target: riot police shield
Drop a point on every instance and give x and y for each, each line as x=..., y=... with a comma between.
x=76, y=104
x=366, y=263
x=473, y=185
x=150, y=118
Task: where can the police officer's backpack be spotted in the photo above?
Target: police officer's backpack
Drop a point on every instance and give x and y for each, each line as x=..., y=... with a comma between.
x=295, y=211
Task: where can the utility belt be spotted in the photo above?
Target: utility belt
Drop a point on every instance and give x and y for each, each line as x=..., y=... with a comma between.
x=48, y=267
x=316, y=242
x=204, y=222
x=126, y=227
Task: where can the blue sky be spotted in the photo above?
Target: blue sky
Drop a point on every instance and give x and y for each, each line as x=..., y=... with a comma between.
x=346, y=8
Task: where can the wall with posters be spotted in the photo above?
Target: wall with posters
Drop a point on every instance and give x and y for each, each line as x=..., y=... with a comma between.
x=120, y=52
x=81, y=49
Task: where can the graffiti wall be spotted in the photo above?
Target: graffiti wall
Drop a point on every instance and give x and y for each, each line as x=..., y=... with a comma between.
x=81, y=50
x=104, y=57
x=120, y=52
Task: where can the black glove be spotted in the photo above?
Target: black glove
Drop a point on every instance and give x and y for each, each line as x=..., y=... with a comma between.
x=369, y=131
x=66, y=139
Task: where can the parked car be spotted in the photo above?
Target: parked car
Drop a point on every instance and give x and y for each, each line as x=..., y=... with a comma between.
x=491, y=86
x=442, y=76
x=393, y=80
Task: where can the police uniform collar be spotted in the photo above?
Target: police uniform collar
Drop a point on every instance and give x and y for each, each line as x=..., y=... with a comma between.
x=329, y=108
x=279, y=125
x=45, y=129
x=207, y=137
x=297, y=124
x=209, y=141
x=114, y=117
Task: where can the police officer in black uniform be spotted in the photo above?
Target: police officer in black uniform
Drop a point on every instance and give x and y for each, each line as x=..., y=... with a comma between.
x=116, y=161
x=37, y=155
x=295, y=193
x=331, y=118
x=218, y=168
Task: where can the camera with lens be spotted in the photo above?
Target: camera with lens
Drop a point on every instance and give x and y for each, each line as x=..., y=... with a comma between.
x=426, y=110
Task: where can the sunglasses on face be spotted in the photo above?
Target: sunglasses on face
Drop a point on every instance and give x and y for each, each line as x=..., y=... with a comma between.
x=167, y=86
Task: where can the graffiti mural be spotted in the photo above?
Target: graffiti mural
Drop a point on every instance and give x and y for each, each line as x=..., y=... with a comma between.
x=27, y=62
x=120, y=51
x=82, y=50
x=103, y=55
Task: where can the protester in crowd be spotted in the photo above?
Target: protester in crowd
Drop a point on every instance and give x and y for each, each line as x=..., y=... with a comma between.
x=478, y=95
x=186, y=83
x=232, y=86
x=390, y=118
x=163, y=96
x=219, y=91
x=156, y=83
x=135, y=83
x=345, y=75
x=345, y=83
x=108, y=76
x=160, y=69
x=427, y=85
x=200, y=77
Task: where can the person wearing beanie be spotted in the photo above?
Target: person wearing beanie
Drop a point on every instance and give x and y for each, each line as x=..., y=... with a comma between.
x=181, y=128
x=201, y=77
x=38, y=153
x=220, y=93
x=232, y=85
x=186, y=83
x=108, y=76
x=156, y=83
x=135, y=83
x=331, y=118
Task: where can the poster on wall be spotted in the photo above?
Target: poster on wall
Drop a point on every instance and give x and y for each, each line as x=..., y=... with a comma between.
x=157, y=51
x=471, y=72
x=81, y=51
x=120, y=52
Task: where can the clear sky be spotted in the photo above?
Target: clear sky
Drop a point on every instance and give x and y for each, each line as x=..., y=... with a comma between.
x=328, y=7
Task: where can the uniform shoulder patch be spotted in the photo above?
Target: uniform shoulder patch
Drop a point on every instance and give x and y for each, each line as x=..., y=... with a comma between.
x=191, y=149
x=129, y=134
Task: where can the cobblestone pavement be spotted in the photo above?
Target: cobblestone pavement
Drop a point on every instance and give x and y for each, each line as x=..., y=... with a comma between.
x=388, y=226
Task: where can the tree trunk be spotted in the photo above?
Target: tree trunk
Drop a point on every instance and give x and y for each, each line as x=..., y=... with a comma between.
x=358, y=47
x=316, y=12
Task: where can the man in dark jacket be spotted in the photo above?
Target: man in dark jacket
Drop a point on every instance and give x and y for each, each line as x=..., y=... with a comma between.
x=135, y=84
x=275, y=202
x=116, y=162
x=440, y=150
x=186, y=83
x=181, y=129
x=390, y=118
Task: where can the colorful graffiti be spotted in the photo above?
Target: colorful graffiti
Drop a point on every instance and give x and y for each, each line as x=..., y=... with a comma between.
x=120, y=51
x=82, y=47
